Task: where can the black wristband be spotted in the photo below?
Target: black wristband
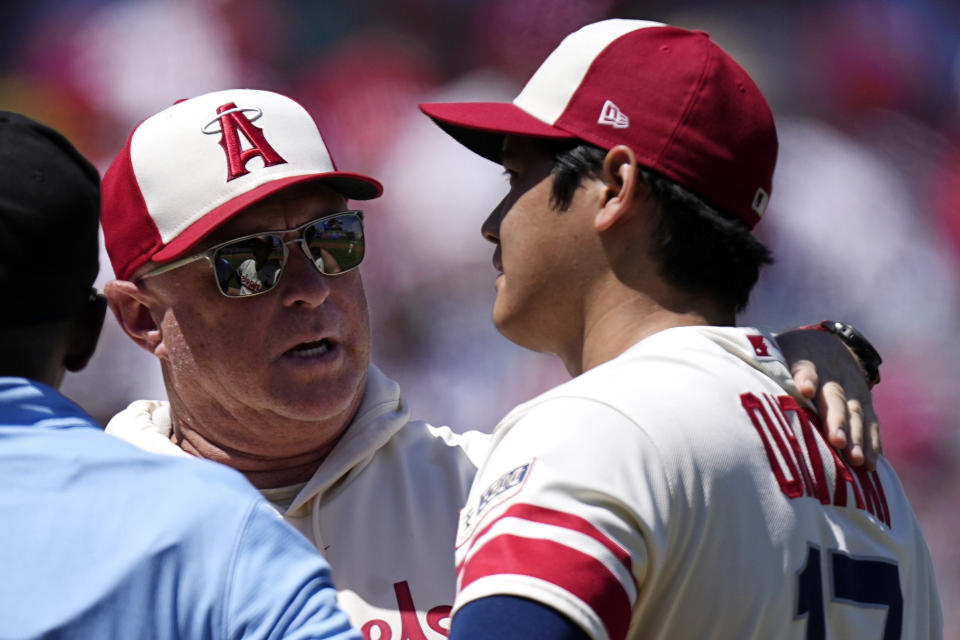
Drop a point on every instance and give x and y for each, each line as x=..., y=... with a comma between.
x=865, y=352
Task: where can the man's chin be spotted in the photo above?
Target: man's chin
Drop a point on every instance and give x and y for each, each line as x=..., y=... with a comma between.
x=519, y=328
x=319, y=398
x=509, y=326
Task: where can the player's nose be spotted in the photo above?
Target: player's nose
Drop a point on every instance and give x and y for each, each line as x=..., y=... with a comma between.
x=490, y=229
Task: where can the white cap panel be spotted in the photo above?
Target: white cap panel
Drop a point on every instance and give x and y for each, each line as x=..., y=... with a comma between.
x=548, y=92
x=181, y=146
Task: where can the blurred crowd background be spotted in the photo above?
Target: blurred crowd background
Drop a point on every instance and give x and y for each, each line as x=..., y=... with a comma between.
x=864, y=218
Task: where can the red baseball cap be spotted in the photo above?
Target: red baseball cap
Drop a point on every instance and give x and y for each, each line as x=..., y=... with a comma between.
x=683, y=105
x=188, y=169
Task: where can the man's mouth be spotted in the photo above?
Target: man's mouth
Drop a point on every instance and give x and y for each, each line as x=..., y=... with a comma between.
x=310, y=349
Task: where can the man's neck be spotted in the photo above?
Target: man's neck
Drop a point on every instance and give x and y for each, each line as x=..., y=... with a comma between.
x=271, y=451
x=614, y=325
x=262, y=474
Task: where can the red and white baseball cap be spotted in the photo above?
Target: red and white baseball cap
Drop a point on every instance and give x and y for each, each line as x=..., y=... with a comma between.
x=193, y=166
x=684, y=106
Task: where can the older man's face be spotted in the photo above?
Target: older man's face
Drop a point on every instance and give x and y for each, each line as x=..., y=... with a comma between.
x=299, y=351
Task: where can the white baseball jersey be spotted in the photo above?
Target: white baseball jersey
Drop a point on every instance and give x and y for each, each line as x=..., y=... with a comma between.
x=382, y=508
x=253, y=280
x=681, y=491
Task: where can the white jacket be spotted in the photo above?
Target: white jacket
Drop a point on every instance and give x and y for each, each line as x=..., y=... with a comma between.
x=382, y=508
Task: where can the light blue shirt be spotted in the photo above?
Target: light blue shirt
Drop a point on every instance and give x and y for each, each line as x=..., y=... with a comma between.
x=101, y=540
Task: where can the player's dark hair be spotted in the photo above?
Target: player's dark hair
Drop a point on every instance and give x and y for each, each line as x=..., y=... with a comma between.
x=700, y=247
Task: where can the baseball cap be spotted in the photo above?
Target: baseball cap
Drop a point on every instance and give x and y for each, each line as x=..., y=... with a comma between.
x=188, y=169
x=49, y=209
x=683, y=105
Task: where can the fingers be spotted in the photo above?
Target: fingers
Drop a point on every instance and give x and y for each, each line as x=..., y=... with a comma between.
x=851, y=426
x=874, y=448
x=805, y=377
x=832, y=407
x=855, y=419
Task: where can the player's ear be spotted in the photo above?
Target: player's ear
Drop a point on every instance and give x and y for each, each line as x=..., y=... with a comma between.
x=133, y=309
x=86, y=333
x=622, y=187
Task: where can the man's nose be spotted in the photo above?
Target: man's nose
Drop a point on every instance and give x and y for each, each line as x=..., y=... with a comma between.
x=301, y=282
x=490, y=229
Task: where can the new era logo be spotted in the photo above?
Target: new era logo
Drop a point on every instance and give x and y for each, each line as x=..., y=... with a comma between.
x=760, y=200
x=611, y=115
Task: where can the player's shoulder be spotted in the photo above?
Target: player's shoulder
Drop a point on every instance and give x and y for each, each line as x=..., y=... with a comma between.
x=700, y=349
x=75, y=460
x=547, y=424
x=673, y=377
x=63, y=441
x=192, y=479
x=679, y=360
x=652, y=363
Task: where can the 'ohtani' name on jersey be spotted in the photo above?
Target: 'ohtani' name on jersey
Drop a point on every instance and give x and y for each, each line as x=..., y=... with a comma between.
x=798, y=467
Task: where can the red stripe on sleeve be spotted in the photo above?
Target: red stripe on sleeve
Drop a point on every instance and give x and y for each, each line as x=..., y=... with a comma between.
x=573, y=571
x=563, y=519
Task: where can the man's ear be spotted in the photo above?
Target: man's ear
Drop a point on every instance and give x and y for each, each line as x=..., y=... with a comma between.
x=86, y=333
x=131, y=307
x=622, y=180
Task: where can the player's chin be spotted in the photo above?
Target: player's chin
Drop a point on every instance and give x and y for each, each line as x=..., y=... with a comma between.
x=500, y=314
x=513, y=325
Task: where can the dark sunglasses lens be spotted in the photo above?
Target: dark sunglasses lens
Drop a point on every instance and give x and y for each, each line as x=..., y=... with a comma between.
x=336, y=244
x=249, y=266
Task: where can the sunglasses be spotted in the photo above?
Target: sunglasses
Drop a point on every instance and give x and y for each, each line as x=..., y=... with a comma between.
x=251, y=265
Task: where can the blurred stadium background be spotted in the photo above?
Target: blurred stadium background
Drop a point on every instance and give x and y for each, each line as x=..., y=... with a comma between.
x=864, y=219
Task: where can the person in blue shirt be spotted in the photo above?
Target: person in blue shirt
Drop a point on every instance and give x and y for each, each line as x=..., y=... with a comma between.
x=99, y=539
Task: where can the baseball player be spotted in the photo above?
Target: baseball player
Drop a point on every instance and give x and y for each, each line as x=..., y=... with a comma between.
x=275, y=379
x=677, y=486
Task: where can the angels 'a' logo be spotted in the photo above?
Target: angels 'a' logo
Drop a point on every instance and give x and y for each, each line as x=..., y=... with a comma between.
x=233, y=120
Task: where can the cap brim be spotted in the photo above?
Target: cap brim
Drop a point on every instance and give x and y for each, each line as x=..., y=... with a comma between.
x=481, y=126
x=351, y=185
